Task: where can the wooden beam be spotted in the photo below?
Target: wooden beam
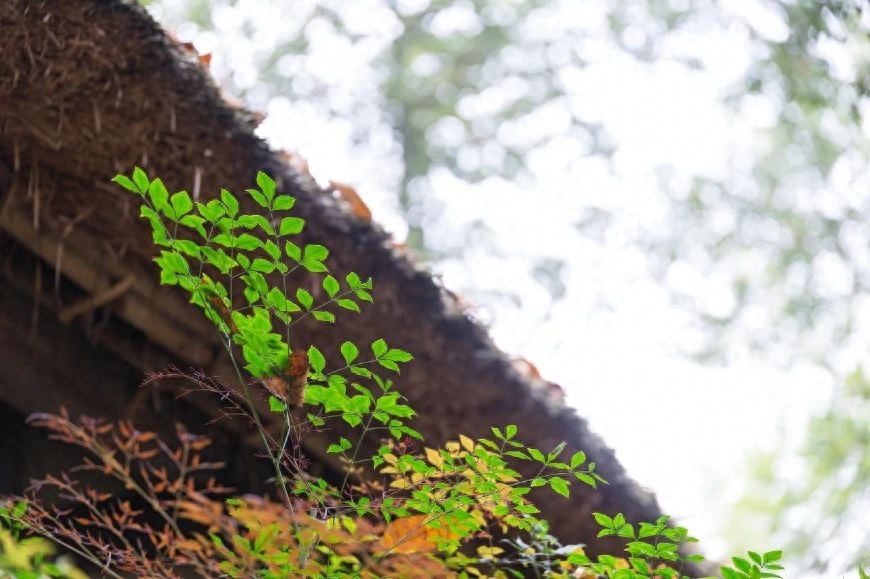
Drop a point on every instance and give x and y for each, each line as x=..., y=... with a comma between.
x=134, y=350
x=95, y=301
x=156, y=313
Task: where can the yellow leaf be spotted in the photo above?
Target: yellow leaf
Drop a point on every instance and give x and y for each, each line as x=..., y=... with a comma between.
x=349, y=524
x=466, y=443
x=486, y=552
x=620, y=564
x=434, y=457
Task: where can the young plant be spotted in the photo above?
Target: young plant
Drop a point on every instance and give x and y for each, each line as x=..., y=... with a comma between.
x=239, y=268
x=458, y=510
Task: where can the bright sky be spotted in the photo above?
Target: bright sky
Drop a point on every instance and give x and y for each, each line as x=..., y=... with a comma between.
x=614, y=341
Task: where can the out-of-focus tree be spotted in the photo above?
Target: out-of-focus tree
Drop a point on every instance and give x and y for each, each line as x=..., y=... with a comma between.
x=800, y=214
x=815, y=502
x=768, y=247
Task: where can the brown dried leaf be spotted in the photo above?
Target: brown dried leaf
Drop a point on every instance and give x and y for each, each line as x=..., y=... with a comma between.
x=411, y=535
x=352, y=198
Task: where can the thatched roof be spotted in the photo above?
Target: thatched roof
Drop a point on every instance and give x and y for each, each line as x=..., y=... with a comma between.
x=89, y=88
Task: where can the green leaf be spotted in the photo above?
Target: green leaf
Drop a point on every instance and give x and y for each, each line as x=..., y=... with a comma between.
x=283, y=203
x=348, y=305
x=537, y=455
x=266, y=184
x=389, y=365
x=272, y=249
x=181, y=203
x=409, y=431
x=397, y=355
x=19, y=509
x=586, y=479
x=252, y=221
x=742, y=564
x=291, y=226
x=603, y=520
x=315, y=420
x=223, y=239
x=626, y=531
x=211, y=211
x=641, y=566
x=337, y=382
x=510, y=431
x=379, y=347
x=194, y=222
x=578, y=459
x=292, y=250
x=352, y=418
x=343, y=445
x=230, y=202
x=314, y=252
x=126, y=183
x=256, y=281
x=158, y=194
x=316, y=359
x=330, y=284
x=313, y=266
x=246, y=242
x=262, y=265
x=618, y=520
x=276, y=404
x=173, y=262
x=517, y=454
x=141, y=180
x=323, y=316
x=389, y=404
x=275, y=299
x=186, y=247
x=365, y=373
x=349, y=352
x=305, y=298
x=167, y=277
x=527, y=509
x=258, y=197
x=554, y=454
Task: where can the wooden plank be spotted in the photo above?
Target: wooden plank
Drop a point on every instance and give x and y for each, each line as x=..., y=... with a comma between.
x=36, y=365
x=164, y=324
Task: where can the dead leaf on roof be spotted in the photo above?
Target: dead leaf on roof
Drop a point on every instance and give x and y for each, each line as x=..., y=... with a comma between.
x=352, y=198
x=296, y=161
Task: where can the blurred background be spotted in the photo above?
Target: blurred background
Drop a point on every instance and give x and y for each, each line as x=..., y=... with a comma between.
x=662, y=204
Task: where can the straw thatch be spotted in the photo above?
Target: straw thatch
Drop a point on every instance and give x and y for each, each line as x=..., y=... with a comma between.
x=89, y=88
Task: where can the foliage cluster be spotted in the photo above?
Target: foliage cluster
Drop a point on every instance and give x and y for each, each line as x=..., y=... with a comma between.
x=406, y=510
x=767, y=225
